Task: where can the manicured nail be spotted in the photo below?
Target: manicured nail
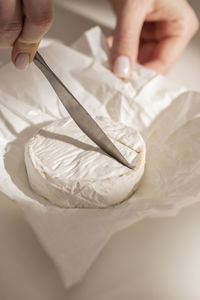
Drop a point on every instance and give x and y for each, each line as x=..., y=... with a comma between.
x=22, y=61
x=121, y=66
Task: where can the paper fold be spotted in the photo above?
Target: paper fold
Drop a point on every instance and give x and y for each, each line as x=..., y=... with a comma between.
x=166, y=115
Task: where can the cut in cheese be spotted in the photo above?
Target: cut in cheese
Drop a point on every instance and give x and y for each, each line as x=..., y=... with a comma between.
x=69, y=170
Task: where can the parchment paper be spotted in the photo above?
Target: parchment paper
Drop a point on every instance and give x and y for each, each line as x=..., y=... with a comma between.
x=168, y=116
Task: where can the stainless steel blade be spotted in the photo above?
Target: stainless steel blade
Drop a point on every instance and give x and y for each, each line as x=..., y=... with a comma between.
x=78, y=113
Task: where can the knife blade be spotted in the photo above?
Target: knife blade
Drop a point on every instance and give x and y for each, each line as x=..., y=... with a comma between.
x=79, y=114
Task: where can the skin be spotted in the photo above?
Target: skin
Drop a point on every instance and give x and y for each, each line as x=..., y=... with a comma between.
x=23, y=24
x=154, y=32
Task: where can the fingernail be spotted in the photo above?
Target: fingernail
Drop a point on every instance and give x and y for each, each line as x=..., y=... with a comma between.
x=121, y=66
x=22, y=61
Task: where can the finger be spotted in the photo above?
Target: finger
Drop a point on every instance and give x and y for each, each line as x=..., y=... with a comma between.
x=171, y=36
x=130, y=18
x=10, y=22
x=169, y=49
x=37, y=21
x=149, y=31
x=166, y=53
x=146, y=50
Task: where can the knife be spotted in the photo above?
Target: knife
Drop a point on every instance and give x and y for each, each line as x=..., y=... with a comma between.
x=78, y=113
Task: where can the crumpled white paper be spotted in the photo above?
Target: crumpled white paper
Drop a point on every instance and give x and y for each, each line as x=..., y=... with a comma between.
x=167, y=116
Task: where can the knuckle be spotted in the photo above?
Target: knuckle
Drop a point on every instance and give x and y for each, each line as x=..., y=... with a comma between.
x=183, y=28
x=191, y=23
x=195, y=25
x=10, y=29
x=188, y=27
x=8, y=33
x=125, y=38
x=43, y=19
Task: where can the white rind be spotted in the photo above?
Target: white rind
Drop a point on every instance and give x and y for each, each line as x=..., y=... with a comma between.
x=69, y=170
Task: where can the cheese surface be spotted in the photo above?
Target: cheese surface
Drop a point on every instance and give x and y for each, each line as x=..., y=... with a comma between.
x=69, y=170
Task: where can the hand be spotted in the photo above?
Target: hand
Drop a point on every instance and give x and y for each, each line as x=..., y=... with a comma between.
x=152, y=32
x=22, y=26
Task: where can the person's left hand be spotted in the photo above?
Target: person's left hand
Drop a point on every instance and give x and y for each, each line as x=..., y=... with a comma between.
x=22, y=26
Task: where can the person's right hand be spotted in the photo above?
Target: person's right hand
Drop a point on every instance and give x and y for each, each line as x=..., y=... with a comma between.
x=22, y=26
x=152, y=32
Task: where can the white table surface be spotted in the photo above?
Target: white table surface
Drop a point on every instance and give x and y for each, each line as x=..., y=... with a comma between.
x=152, y=260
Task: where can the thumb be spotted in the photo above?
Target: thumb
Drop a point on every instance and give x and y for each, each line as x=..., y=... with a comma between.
x=37, y=21
x=25, y=47
x=130, y=18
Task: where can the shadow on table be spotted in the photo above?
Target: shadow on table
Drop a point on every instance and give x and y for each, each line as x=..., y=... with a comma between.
x=14, y=161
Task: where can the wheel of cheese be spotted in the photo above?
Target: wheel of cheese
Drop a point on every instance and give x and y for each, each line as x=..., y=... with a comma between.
x=69, y=170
